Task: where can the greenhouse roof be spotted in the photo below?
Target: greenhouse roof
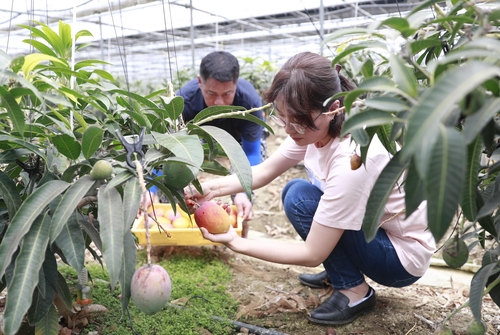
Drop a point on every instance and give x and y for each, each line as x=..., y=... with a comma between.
x=151, y=39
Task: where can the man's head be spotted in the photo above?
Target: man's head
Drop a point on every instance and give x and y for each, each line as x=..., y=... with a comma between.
x=219, y=72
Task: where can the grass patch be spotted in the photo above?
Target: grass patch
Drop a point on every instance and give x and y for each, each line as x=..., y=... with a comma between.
x=199, y=281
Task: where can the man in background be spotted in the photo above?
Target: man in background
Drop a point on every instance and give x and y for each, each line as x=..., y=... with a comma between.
x=218, y=83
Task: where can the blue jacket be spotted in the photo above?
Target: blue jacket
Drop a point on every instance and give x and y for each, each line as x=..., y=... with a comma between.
x=247, y=133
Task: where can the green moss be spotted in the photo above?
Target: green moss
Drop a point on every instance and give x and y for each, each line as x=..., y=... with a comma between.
x=198, y=280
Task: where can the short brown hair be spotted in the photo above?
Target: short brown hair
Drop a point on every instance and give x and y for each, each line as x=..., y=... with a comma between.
x=304, y=83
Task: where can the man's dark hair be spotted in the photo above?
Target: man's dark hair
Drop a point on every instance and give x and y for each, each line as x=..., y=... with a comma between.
x=221, y=66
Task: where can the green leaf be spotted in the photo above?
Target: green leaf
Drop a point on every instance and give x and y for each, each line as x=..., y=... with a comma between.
x=83, y=32
x=91, y=141
x=486, y=222
x=477, y=285
x=360, y=136
x=445, y=180
x=468, y=201
x=27, y=213
x=183, y=146
x=474, y=123
x=438, y=102
x=379, y=195
x=70, y=241
x=17, y=63
x=9, y=194
x=68, y=204
x=236, y=155
x=104, y=74
x=378, y=84
x=41, y=304
x=49, y=324
x=346, y=32
x=112, y=230
x=25, y=83
x=146, y=102
x=67, y=145
x=43, y=301
x=132, y=193
x=121, y=178
x=14, y=111
x=92, y=232
x=32, y=60
x=63, y=291
x=357, y=47
x=368, y=118
x=458, y=56
x=214, y=168
x=384, y=134
x=70, y=172
x=386, y=103
x=414, y=189
x=54, y=40
x=28, y=262
x=65, y=35
x=489, y=206
x=128, y=268
x=403, y=76
x=419, y=45
x=173, y=108
x=400, y=24
x=218, y=112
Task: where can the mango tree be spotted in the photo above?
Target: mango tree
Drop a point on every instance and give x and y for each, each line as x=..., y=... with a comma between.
x=69, y=181
x=429, y=83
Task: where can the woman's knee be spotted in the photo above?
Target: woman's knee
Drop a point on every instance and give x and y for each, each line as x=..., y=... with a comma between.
x=288, y=190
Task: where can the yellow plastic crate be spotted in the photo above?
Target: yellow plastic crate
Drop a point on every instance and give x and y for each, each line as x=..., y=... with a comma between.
x=178, y=236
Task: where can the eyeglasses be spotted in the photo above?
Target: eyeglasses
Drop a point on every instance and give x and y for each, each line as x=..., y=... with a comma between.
x=298, y=128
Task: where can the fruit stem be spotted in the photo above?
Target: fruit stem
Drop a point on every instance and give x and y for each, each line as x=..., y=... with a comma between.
x=144, y=198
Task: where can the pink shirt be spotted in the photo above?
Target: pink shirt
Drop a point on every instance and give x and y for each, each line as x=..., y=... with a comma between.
x=346, y=194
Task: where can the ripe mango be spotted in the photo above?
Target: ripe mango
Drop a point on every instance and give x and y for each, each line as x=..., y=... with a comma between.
x=355, y=161
x=212, y=217
x=150, y=288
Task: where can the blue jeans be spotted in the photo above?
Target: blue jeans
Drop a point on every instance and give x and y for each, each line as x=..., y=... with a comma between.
x=352, y=258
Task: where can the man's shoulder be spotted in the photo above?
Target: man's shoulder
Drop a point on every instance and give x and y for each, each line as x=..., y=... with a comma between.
x=247, y=95
x=190, y=88
x=246, y=85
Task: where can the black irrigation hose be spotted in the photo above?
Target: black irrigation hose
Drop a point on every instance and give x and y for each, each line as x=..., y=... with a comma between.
x=254, y=330
x=251, y=328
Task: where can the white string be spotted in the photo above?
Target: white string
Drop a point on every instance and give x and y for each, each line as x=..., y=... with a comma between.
x=73, y=51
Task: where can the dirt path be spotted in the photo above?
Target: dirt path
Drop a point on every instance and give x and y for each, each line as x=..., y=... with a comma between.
x=271, y=295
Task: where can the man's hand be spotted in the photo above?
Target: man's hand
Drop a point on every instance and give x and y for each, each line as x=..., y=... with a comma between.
x=244, y=206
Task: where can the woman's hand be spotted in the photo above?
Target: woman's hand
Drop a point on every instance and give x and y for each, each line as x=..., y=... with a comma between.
x=225, y=238
x=193, y=198
x=244, y=206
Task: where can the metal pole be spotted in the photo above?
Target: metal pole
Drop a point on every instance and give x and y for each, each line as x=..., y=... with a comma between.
x=192, y=34
x=321, y=25
x=101, y=42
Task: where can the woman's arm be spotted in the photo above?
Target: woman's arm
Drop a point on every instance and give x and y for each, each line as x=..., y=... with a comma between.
x=312, y=252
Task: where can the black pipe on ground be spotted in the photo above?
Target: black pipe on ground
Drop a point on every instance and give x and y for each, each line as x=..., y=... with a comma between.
x=254, y=330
